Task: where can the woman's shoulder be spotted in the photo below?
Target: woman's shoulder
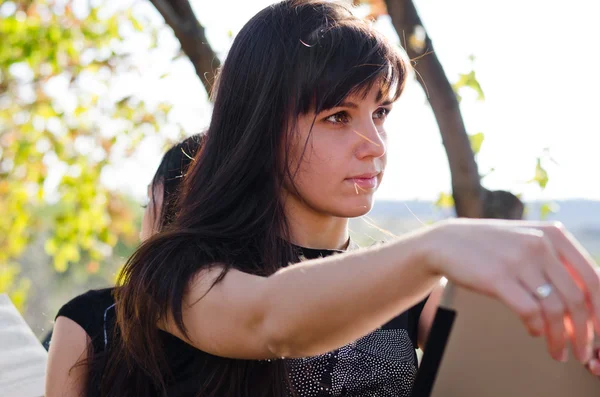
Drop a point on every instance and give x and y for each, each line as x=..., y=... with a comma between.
x=89, y=309
x=92, y=299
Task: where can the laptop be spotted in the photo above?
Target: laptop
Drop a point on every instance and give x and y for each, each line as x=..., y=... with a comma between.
x=477, y=347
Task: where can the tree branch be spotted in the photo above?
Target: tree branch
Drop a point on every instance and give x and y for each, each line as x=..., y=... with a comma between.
x=178, y=14
x=466, y=187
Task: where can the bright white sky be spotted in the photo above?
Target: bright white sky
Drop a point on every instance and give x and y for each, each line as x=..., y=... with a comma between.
x=538, y=64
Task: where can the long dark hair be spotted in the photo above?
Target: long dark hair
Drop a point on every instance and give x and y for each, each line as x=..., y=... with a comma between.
x=169, y=174
x=292, y=58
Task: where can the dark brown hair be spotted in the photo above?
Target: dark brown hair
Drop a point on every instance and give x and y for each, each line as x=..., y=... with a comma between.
x=169, y=174
x=292, y=58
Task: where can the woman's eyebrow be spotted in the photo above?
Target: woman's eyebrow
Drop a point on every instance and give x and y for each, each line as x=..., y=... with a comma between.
x=347, y=104
x=352, y=105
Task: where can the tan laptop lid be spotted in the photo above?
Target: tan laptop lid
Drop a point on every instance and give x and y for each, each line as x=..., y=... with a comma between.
x=479, y=348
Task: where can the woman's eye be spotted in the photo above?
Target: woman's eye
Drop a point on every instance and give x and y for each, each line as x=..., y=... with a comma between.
x=381, y=113
x=338, y=118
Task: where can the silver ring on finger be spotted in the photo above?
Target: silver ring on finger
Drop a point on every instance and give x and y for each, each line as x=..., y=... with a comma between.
x=543, y=291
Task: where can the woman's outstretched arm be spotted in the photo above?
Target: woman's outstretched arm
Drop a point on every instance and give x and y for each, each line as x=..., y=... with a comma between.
x=309, y=308
x=316, y=306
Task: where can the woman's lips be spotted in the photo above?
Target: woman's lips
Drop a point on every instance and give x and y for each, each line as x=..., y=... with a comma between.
x=364, y=182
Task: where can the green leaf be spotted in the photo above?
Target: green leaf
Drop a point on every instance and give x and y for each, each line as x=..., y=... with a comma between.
x=476, y=140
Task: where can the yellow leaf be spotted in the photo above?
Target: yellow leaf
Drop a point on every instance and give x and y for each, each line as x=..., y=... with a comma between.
x=540, y=176
x=79, y=110
x=136, y=24
x=60, y=262
x=445, y=200
x=548, y=208
x=476, y=140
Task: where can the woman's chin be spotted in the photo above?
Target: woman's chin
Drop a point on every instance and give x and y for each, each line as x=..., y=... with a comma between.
x=357, y=207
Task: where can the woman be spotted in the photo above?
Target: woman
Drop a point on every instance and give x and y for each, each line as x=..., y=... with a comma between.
x=86, y=317
x=164, y=188
x=295, y=148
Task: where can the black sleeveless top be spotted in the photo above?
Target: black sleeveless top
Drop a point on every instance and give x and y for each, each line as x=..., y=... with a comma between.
x=380, y=364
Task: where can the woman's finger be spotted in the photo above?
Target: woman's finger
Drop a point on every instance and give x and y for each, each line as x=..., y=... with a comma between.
x=580, y=265
x=580, y=316
x=552, y=308
x=594, y=366
x=520, y=301
x=565, y=287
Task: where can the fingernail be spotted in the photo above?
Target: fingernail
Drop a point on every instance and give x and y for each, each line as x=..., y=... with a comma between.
x=595, y=367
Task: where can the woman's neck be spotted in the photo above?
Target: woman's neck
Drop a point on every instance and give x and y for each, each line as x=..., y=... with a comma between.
x=311, y=229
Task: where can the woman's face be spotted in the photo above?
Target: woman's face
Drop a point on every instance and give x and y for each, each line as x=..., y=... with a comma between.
x=343, y=160
x=152, y=213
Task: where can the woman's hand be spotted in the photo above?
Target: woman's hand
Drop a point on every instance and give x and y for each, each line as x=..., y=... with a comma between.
x=537, y=269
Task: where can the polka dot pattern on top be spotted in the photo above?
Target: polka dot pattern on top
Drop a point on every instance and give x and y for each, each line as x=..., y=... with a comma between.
x=381, y=364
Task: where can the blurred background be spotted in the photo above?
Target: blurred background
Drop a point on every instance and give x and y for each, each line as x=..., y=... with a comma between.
x=499, y=119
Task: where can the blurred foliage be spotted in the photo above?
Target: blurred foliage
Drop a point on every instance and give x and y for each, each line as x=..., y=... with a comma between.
x=476, y=141
x=445, y=200
x=541, y=179
x=541, y=175
x=60, y=127
x=468, y=80
x=18, y=287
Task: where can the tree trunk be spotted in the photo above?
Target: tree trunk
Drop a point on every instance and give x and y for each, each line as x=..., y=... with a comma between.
x=470, y=199
x=178, y=14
